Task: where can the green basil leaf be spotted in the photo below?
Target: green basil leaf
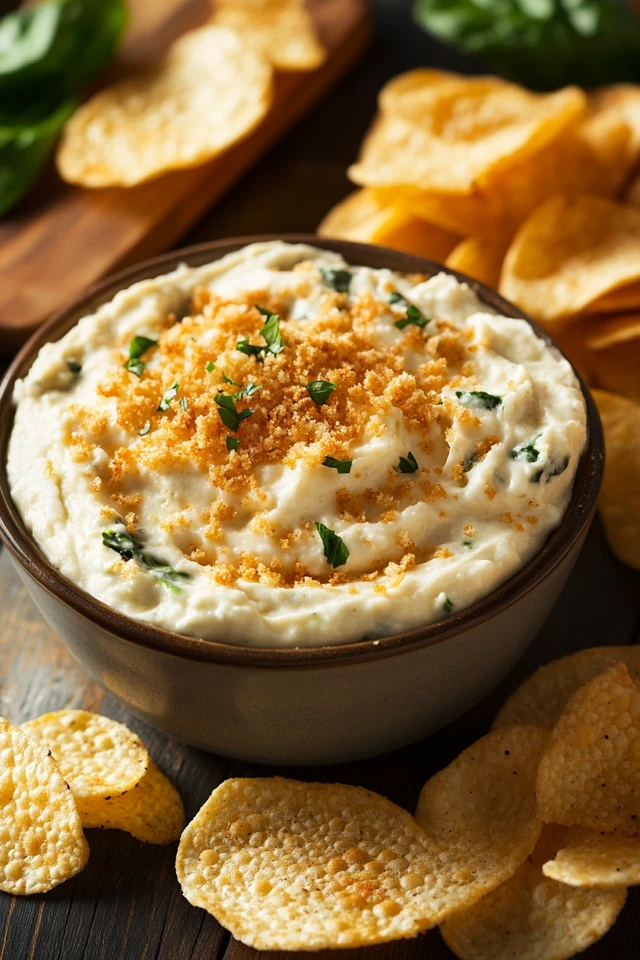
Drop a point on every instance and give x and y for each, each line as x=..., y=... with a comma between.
x=414, y=317
x=169, y=395
x=233, y=443
x=335, y=549
x=320, y=391
x=137, y=347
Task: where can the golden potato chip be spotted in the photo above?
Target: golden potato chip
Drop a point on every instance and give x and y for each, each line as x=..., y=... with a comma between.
x=597, y=860
x=409, y=94
x=98, y=757
x=589, y=772
x=569, y=253
x=41, y=838
x=624, y=298
x=604, y=332
x=623, y=101
x=480, y=258
x=364, y=217
x=209, y=91
x=281, y=30
x=619, y=502
x=482, y=809
x=288, y=865
x=531, y=917
x=151, y=811
x=451, y=138
x=615, y=369
x=632, y=194
x=544, y=695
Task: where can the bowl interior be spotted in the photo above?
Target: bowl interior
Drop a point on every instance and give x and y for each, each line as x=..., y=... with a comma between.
x=12, y=530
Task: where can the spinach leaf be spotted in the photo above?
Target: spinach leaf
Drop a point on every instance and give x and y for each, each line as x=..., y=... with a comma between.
x=342, y=466
x=335, y=549
x=338, y=280
x=478, y=399
x=320, y=391
x=543, y=44
x=131, y=547
x=407, y=464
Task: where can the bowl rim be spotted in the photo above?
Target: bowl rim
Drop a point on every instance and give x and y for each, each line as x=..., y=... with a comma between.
x=23, y=548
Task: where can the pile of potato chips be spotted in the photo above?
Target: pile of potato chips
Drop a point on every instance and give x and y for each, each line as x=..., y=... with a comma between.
x=537, y=195
x=66, y=771
x=210, y=90
x=523, y=847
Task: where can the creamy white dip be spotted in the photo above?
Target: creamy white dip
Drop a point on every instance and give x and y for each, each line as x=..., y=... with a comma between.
x=463, y=429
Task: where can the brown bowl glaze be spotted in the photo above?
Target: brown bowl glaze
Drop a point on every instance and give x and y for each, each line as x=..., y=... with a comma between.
x=68, y=608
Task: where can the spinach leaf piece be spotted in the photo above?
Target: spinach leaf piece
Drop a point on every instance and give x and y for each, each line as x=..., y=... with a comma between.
x=338, y=280
x=131, y=547
x=335, y=549
x=554, y=469
x=407, y=464
x=543, y=44
x=526, y=451
x=320, y=391
x=231, y=417
x=414, y=317
x=169, y=395
x=478, y=399
x=342, y=466
x=270, y=333
x=137, y=347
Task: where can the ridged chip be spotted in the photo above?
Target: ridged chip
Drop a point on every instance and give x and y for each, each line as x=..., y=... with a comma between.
x=569, y=253
x=544, y=695
x=600, y=860
x=481, y=809
x=209, y=91
x=97, y=756
x=281, y=30
x=479, y=258
x=619, y=502
x=41, y=838
x=365, y=217
x=151, y=811
x=531, y=917
x=589, y=773
x=449, y=136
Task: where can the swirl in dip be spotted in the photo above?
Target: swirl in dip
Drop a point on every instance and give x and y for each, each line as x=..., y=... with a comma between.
x=306, y=453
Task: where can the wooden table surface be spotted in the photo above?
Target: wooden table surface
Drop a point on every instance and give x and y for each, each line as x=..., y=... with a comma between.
x=127, y=905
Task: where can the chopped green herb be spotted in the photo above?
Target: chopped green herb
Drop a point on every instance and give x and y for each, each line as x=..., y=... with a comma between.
x=478, y=399
x=228, y=413
x=227, y=379
x=137, y=347
x=338, y=280
x=335, y=549
x=247, y=391
x=131, y=547
x=407, y=464
x=396, y=297
x=550, y=471
x=145, y=429
x=447, y=606
x=320, y=391
x=467, y=543
x=233, y=443
x=469, y=461
x=184, y=403
x=526, y=451
x=414, y=318
x=211, y=366
x=271, y=335
x=342, y=466
x=169, y=395
x=74, y=366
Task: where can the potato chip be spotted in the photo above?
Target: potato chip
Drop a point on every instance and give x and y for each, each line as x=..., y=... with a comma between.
x=622, y=100
x=589, y=773
x=98, y=757
x=544, y=695
x=288, y=865
x=604, y=332
x=598, y=860
x=151, y=811
x=532, y=917
x=619, y=502
x=479, y=258
x=569, y=253
x=632, y=194
x=41, y=838
x=364, y=217
x=624, y=298
x=451, y=137
x=616, y=369
x=482, y=809
x=281, y=30
x=209, y=91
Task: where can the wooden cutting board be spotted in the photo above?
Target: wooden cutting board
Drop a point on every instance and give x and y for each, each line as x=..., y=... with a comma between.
x=62, y=238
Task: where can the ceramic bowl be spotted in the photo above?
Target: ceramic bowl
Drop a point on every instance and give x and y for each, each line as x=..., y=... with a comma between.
x=319, y=705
